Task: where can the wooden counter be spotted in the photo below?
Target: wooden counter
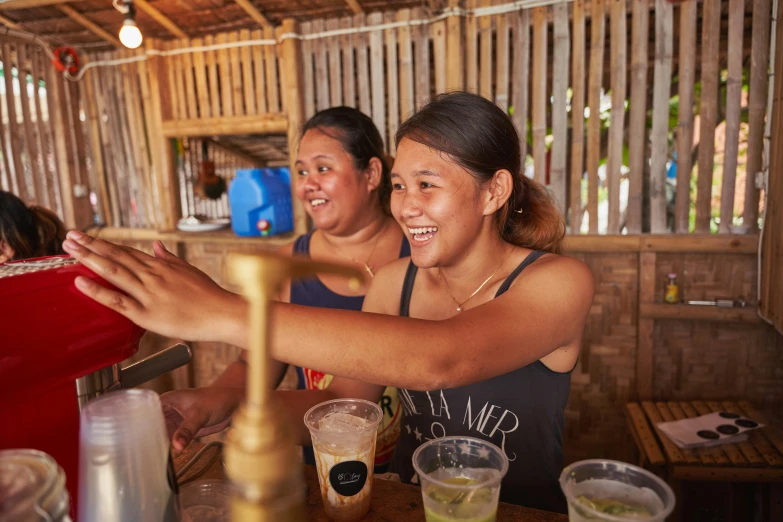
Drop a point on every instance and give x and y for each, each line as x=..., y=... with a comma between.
x=391, y=501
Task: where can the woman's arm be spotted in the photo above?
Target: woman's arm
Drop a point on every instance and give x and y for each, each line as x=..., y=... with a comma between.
x=528, y=322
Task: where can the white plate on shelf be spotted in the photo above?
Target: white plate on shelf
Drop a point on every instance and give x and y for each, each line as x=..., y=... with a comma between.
x=208, y=225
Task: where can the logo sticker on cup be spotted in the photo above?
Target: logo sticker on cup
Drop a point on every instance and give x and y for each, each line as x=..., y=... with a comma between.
x=348, y=478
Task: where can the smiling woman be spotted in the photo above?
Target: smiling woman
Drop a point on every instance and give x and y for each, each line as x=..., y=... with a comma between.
x=489, y=319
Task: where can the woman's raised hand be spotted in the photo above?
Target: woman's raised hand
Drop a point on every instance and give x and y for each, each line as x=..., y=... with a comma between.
x=163, y=293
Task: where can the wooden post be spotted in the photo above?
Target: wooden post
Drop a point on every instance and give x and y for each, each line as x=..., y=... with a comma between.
x=708, y=114
x=644, y=346
x=162, y=154
x=687, y=68
x=540, y=98
x=733, y=110
x=559, y=117
x=577, y=115
x=637, y=145
x=664, y=43
x=289, y=51
x=455, y=59
x=757, y=102
x=618, y=65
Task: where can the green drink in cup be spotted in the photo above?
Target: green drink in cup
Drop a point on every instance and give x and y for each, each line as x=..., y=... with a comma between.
x=460, y=479
x=612, y=491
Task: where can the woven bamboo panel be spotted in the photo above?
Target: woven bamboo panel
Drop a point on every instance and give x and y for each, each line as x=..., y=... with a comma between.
x=604, y=378
x=709, y=276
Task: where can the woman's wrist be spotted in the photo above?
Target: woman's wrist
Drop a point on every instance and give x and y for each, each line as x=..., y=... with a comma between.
x=232, y=323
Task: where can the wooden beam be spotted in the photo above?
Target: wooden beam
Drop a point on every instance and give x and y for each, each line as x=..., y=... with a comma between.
x=691, y=243
x=89, y=24
x=355, y=7
x=699, y=313
x=159, y=17
x=10, y=23
x=254, y=13
x=646, y=329
x=11, y=5
x=236, y=150
x=270, y=123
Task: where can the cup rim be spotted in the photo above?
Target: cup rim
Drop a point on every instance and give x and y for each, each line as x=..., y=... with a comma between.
x=332, y=401
x=605, y=516
x=483, y=483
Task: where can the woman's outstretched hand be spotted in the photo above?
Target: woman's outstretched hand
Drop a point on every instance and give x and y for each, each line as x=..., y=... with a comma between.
x=163, y=293
x=198, y=412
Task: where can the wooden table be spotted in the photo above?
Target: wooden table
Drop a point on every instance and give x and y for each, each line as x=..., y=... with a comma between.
x=391, y=502
x=759, y=459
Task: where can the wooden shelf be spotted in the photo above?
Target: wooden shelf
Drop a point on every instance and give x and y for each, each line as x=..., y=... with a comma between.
x=270, y=123
x=747, y=315
x=221, y=236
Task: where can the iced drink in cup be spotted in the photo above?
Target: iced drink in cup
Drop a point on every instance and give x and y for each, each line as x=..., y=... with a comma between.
x=343, y=433
x=612, y=491
x=460, y=479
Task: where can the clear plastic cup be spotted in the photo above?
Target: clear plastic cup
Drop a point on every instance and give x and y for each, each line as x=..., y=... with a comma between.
x=206, y=501
x=460, y=478
x=32, y=487
x=125, y=469
x=612, y=491
x=343, y=432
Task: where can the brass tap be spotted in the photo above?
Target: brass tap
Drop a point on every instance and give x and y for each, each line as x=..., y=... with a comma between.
x=261, y=458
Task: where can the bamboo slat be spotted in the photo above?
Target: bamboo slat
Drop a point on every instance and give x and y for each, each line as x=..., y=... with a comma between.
x=757, y=101
x=748, y=448
x=774, y=435
x=177, y=110
x=210, y=59
x=687, y=69
x=376, y=75
x=540, y=98
x=349, y=68
x=247, y=73
x=558, y=180
x=236, y=76
x=321, y=75
x=335, y=66
x=14, y=134
x=714, y=455
x=44, y=132
x=597, y=36
x=732, y=450
x=708, y=112
x=272, y=81
x=308, y=76
x=406, y=65
x=283, y=70
x=502, y=66
x=422, y=59
x=471, y=49
x=123, y=157
x=439, y=54
x=202, y=89
x=646, y=439
x=664, y=43
x=96, y=147
x=637, y=126
x=190, y=83
x=520, y=77
x=54, y=100
x=8, y=178
x=362, y=67
x=392, y=83
x=54, y=180
x=456, y=60
x=225, y=77
x=99, y=89
x=485, y=53
x=82, y=210
x=672, y=451
x=157, y=171
x=733, y=110
x=618, y=65
x=31, y=149
x=577, y=115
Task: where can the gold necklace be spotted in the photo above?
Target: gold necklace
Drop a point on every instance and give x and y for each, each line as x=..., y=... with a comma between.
x=477, y=290
x=367, y=267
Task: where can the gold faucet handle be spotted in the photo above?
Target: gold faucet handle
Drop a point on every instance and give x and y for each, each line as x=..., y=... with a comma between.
x=267, y=271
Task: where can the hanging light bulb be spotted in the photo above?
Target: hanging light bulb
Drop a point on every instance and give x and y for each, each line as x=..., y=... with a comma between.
x=130, y=36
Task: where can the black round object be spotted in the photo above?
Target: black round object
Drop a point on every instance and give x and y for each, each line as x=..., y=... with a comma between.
x=707, y=434
x=746, y=423
x=348, y=478
x=728, y=415
x=727, y=429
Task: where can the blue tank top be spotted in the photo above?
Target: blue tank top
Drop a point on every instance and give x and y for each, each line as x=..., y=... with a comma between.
x=521, y=412
x=312, y=292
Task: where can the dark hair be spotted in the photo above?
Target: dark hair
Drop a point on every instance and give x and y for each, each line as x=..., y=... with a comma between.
x=480, y=137
x=359, y=137
x=30, y=232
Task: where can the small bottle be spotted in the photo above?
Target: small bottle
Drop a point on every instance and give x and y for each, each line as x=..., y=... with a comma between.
x=672, y=295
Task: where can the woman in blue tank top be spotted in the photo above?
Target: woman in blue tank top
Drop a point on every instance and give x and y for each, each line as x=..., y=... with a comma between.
x=342, y=179
x=479, y=330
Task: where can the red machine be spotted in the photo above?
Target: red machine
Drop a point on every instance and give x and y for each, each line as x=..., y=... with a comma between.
x=58, y=349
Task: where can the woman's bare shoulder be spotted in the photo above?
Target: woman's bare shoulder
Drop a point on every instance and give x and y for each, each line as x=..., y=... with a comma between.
x=383, y=295
x=560, y=274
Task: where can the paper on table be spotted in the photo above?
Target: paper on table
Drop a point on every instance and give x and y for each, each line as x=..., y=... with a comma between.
x=709, y=430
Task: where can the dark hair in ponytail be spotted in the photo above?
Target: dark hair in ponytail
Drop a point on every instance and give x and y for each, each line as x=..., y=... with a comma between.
x=480, y=137
x=30, y=232
x=360, y=138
